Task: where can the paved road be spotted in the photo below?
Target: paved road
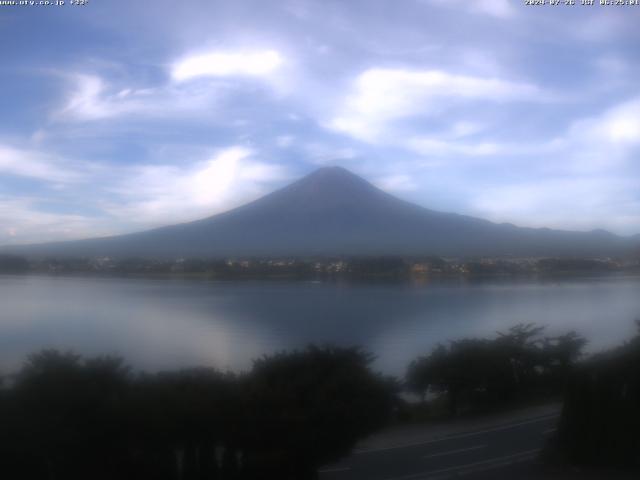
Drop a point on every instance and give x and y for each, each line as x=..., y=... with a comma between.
x=497, y=448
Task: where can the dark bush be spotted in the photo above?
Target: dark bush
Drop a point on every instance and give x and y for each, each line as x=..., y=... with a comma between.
x=70, y=418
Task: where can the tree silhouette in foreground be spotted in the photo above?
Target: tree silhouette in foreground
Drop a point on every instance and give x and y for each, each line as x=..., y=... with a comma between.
x=312, y=406
x=66, y=417
x=600, y=421
x=487, y=372
x=62, y=416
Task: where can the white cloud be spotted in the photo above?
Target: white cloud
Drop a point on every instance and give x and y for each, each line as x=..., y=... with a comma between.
x=452, y=147
x=129, y=198
x=619, y=125
x=396, y=183
x=382, y=95
x=590, y=178
x=91, y=98
x=578, y=203
x=37, y=165
x=163, y=194
x=85, y=101
x=223, y=64
x=602, y=142
x=588, y=144
x=24, y=221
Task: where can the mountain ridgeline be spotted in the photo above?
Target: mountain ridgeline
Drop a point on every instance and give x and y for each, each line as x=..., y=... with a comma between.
x=334, y=212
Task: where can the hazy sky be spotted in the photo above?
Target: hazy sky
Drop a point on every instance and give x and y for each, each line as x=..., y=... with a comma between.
x=122, y=115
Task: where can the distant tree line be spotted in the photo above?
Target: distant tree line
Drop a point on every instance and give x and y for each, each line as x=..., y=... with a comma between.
x=68, y=417
x=574, y=265
x=13, y=264
x=354, y=267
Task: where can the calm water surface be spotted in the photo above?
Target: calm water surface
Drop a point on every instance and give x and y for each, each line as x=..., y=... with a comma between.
x=167, y=323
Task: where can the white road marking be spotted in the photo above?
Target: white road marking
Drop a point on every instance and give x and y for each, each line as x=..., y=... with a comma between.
x=452, y=452
x=457, y=436
x=551, y=430
x=473, y=467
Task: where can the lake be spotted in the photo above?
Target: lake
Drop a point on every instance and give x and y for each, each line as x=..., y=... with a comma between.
x=171, y=322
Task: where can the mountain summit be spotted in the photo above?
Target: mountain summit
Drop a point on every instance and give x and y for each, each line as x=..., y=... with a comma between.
x=335, y=212
x=326, y=189
x=335, y=179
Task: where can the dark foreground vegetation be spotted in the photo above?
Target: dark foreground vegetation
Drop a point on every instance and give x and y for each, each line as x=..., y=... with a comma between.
x=68, y=417
x=473, y=375
x=65, y=417
x=600, y=423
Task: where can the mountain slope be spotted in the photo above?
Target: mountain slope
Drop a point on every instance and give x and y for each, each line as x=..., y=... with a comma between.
x=334, y=212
